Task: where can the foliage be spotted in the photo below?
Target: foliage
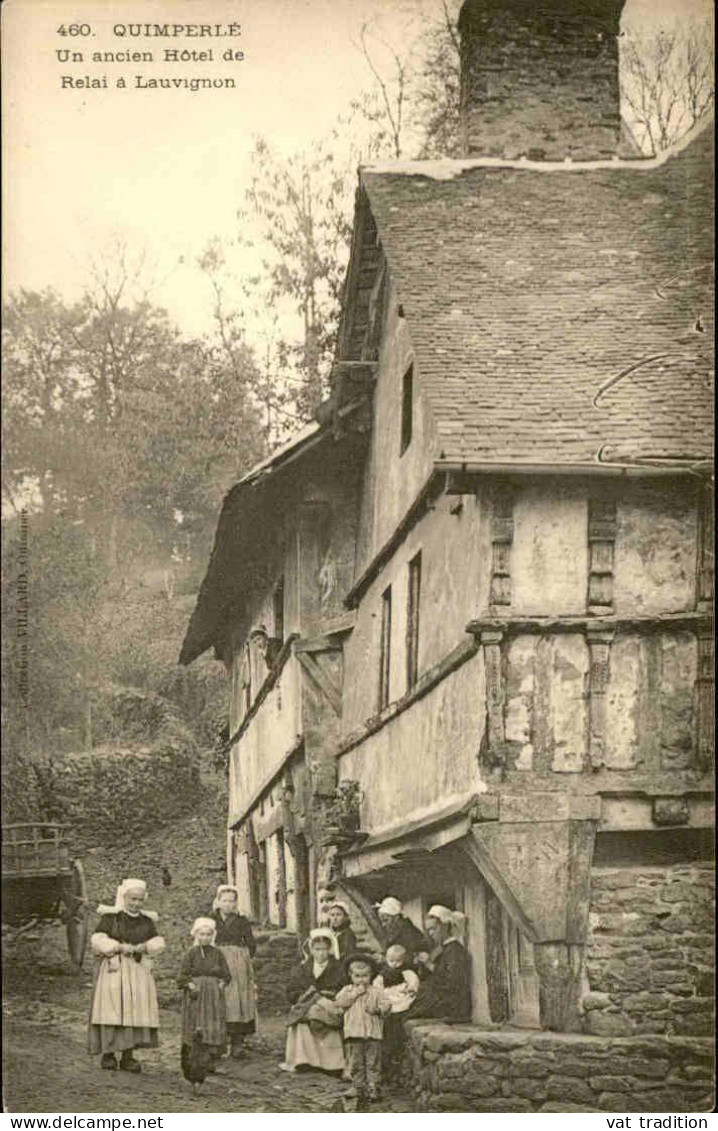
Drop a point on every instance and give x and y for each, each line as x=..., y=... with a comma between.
x=300, y=207
x=343, y=811
x=123, y=790
x=122, y=438
x=61, y=649
x=99, y=397
x=667, y=81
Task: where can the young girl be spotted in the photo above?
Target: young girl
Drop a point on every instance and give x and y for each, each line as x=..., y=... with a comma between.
x=236, y=941
x=123, y=1012
x=314, y=1036
x=340, y=924
x=365, y=1007
x=203, y=975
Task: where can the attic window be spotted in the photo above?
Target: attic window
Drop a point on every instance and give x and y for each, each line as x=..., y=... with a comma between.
x=407, y=408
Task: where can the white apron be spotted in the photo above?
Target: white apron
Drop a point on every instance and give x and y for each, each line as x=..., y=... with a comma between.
x=125, y=993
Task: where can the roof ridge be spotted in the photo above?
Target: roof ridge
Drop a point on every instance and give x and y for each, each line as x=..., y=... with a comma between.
x=446, y=168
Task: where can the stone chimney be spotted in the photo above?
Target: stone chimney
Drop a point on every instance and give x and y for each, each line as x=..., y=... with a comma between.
x=539, y=78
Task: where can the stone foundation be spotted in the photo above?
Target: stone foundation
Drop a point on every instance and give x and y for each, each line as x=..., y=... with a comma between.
x=649, y=954
x=458, y=1068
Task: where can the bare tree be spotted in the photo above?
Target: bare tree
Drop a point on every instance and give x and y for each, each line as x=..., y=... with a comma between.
x=436, y=95
x=392, y=85
x=667, y=82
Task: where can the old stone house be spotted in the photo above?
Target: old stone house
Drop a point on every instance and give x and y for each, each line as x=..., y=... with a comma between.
x=467, y=613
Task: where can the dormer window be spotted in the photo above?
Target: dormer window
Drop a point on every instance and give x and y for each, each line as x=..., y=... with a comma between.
x=407, y=408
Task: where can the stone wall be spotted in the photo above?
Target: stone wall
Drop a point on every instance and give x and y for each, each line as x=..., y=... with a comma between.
x=277, y=953
x=540, y=80
x=650, y=957
x=462, y=1068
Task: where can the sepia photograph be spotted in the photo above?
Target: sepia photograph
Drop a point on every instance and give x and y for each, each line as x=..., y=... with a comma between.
x=357, y=560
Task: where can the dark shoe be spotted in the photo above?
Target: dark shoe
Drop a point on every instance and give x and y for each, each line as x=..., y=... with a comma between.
x=129, y=1064
x=238, y=1052
x=107, y=1060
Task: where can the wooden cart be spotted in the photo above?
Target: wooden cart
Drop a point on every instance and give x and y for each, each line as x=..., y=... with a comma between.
x=41, y=881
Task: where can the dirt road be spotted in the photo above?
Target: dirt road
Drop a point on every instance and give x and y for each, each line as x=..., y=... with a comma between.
x=47, y=1068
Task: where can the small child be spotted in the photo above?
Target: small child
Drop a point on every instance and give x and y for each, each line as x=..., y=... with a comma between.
x=365, y=1007
x=400, y=984
x=203, y=976
x=398, y=979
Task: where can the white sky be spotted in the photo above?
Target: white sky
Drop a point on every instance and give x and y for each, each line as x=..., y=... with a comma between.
x=165, y=171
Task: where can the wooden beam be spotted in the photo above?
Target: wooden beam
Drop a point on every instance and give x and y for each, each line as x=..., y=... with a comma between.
x=599, y=650
x=502, y=537
x=329, y=640
x=601, y=542
x=432, y=488
x=513, y=625
x=706, y=703
x=495, y=730
x=267, y=783
x=426, y=683
x=274, y=674
x=462, y=811
x=481, y=859
x=317, y=674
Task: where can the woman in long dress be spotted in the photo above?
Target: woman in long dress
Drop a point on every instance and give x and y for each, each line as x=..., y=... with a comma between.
x=204, y=975
x=236, y=941
x=123, y=1012
x=314, y=1033
x=445, y=992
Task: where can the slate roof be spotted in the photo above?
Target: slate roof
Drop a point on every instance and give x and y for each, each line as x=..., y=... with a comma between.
x=246, y=524
x=529, y=291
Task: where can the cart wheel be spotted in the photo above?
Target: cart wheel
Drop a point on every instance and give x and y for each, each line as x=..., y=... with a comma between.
x=76, y=903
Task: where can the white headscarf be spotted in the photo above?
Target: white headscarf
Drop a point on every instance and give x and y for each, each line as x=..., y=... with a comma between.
x=455, y=919
x=126, y=885
x=199, y=924
x=328, y=934
x=389, y=906
x=220, y=892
